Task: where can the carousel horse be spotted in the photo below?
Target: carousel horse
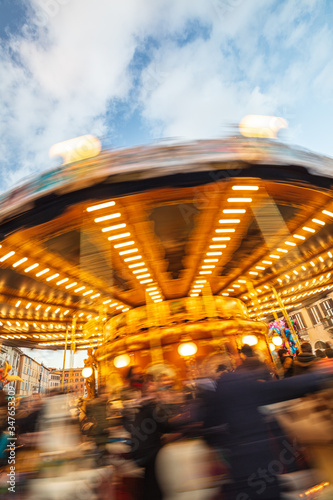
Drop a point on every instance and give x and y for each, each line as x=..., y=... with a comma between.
x=5, y=378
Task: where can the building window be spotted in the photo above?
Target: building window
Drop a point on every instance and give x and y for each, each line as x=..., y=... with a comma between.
x=327, y=307
x=315, y=315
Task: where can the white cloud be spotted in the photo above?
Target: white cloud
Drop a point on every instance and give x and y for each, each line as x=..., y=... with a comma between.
x=74, y=59
x=55, y=359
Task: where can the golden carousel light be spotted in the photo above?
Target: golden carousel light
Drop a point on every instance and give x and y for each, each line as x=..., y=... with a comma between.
x=250, y=340
x=277, y=341
x=272, y=346
x=121, y=361
x=187, y=349
x=87, y=372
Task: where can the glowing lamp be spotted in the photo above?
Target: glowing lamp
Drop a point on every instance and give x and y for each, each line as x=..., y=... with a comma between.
x=87, y=372
x=187, y=349
x=80, y=148
x=261, y=126
x=277, y=341
x=121, y=361
x=250, y=340
x=271, y=346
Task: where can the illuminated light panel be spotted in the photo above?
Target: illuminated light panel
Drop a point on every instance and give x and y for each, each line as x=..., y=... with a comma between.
x=298, y=236
x=108, y=217
x=317, y=221
x=140, y=270
x=129, y=259
x=309, y=229
x=52, y=277
x=28, y=305
x=312, y=263
x=287, y=276
x=326, y=212
x=62, y=281
x=210, y=254
x=113, y=228
x=194, y=295
x=125, y=252
x=273, y=256
x=111, y=305
x=295, y=272
x=205, y=272
x=245, y=188
x=38, y=307
x=221, y=238
x=146, y=281
x=218, y=246
x=140, y=276
x=5, y=257
x=290, y=243
x=42, y=272
x=234, y=211
x=151, y=289
x=225, y=230
x=30, y=268
x=154, y=293
x=304, y=268
x=211, y=260
x=282, y=250
x=239, y=200
x=20, y=262
x=56, y=312
x=137, y=264
x=208, y=267
x=106, y=301
x=119, y=236
x=267, y=262
x=95, y=296
x=236, y=286
x=126, y=309
x=330, y=254
x=254, y=273
x=100, y=206
x=260, y=267
x=89, y=292
x=125, y=244
x=241, y=281
x=79, y=289
x=46, y=310
x=225, y=294
x=71, y=285
x=17, y=303
x=229, y=221
x=321, y=259
x=158, y=300
x=198, y=286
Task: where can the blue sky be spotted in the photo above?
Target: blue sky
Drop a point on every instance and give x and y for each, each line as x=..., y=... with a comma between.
x=142, y=70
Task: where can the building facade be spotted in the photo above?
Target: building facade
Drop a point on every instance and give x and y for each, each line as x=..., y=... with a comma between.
x=73, y=381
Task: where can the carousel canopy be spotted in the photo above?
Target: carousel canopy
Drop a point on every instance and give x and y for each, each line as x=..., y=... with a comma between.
x=94, y=239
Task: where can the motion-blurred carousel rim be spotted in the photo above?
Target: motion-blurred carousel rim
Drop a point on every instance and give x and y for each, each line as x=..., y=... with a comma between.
x=91, y=245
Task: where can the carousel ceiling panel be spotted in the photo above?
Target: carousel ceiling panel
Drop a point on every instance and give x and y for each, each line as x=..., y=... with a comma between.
x=136, y=234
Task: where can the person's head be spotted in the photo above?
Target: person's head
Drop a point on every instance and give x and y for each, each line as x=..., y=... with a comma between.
x=329, y=353
x=306, y=348
x=282, y=353
x=247, y=351
x=135, y=377
x=320, y=353
x=165, y=382
x=149, y=385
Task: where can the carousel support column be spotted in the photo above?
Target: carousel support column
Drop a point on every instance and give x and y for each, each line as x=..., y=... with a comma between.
x=154, y=333
x=63, y=366
x=286, y=316
x=71, y=377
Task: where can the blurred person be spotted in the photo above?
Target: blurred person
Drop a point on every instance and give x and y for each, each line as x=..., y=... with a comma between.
x=305, y=360
x=254, y=460
x=320, y=353
x=287, y=362
x=329, y=353
x=251, y=362
x=96, y=414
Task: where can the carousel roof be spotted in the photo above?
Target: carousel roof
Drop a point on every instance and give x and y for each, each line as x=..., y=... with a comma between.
x=97, y=238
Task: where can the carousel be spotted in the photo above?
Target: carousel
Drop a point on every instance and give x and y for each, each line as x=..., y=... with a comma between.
x=168, y=255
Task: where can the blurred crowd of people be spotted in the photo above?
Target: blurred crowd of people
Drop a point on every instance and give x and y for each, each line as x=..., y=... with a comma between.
x=218, y=421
